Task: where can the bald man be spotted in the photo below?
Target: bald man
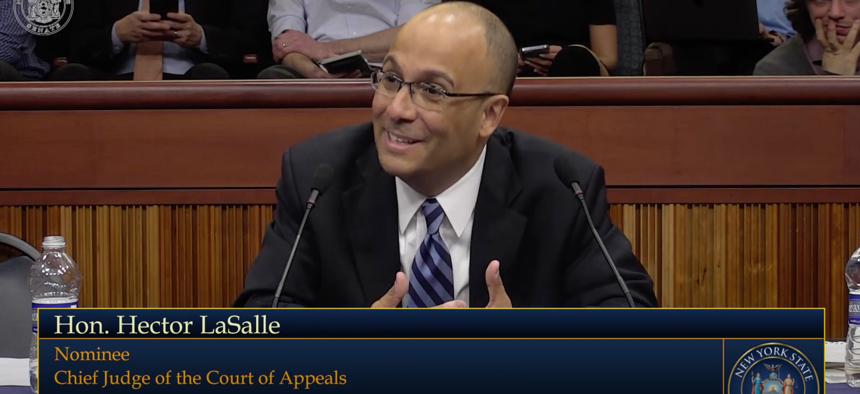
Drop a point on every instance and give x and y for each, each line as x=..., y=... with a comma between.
x=433, y=204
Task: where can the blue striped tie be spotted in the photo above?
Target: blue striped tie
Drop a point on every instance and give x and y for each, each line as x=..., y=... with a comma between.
x=432, y=279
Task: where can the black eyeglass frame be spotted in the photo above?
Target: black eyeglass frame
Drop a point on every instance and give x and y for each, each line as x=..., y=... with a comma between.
x=374, y=76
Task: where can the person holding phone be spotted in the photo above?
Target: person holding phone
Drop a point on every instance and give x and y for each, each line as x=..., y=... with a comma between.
x=199, y=39
x=580, y=35
x=307, y=32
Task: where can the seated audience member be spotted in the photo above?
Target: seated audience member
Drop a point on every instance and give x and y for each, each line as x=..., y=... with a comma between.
x=826, y=41
x=18, y=62
x=736, y=58
x=582, y=35
x=307, y=31
x=432, y=203
x=116, y=39
x=773, y=21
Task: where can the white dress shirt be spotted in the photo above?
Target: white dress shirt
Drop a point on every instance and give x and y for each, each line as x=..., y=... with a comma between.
x=332, y=20
x=458, y=203
x=175, y=59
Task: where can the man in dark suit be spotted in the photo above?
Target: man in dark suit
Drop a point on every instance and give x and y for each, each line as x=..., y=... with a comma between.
x=432, y=204
x=206, y=39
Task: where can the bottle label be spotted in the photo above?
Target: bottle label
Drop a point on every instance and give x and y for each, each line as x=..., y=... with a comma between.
x=854, y=309
x=37, y=305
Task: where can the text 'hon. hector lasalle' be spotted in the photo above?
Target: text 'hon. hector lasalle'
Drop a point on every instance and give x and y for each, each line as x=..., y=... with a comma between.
x=132, y=325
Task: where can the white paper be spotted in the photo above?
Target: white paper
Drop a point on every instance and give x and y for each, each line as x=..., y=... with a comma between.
x=834, y=352
x=834, y=375
x=14, y=372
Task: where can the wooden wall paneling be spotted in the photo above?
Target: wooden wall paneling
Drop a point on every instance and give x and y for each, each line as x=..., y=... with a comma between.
x=771, y=250
x=759, y=245
x=785, y=275
x=167, y=266
x=822, y=266
x=734, y=255
x=720, y=255
x=118, y=266
x=666, y=293
x=152, y=266
x=83, y=239
x=685, y=145
x=836, y=293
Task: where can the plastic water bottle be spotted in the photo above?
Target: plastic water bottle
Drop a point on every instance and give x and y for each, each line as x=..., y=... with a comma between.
x=55, y=281
x=852, y=350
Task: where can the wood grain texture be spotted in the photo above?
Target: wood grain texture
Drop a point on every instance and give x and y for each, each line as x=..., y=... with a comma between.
x=266, y=196
x=618, y=91
x=699, y=255
x=682, y=146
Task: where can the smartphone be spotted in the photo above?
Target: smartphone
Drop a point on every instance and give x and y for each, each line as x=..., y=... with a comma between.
x=534, y=50
x=162, y=7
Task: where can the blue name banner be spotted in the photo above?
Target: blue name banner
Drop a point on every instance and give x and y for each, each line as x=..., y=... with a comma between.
x=430, y=350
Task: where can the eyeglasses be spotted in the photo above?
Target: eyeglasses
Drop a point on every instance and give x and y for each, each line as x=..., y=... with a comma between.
x=429, y=96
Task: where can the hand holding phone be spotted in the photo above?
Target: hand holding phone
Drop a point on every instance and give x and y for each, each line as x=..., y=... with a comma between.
x=162, y=7
x=534, y=50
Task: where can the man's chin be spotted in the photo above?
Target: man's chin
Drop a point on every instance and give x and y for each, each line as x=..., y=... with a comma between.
x=395, y=166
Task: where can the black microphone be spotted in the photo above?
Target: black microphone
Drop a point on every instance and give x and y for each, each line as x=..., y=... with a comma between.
x=320, y=182
x=565, y=171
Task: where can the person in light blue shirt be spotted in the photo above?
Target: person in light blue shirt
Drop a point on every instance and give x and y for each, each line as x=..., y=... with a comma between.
x=206, y=39
x=773, y=19
x=18, y=62
x=306, y=31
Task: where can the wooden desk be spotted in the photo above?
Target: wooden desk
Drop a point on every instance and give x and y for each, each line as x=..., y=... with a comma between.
x=734, y=192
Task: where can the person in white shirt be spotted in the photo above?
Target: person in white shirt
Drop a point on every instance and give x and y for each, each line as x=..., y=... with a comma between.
x=307, y=31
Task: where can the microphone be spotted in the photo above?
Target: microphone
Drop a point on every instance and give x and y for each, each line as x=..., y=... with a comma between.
x=320, y=182
x=565, y=171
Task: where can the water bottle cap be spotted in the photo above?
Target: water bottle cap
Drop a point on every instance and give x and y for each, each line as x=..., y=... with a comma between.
x=54, y=241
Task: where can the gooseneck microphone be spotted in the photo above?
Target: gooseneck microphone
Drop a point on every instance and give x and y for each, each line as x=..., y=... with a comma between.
x=320, y=182
x=566, y=172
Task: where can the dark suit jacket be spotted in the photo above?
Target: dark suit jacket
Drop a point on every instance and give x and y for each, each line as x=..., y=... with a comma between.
x=524, y=217
x=233, y=29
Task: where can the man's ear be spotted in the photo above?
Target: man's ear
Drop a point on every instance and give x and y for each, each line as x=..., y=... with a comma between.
x=494, y=109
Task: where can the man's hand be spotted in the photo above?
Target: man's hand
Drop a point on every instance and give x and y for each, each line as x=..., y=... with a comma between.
x=520, y=63
x=186, y=32
x=141, y=26
x=839, y=58
x=309, y=69
x=498, y=297
x=542, y=62
x=395, y=294
x=295, y=41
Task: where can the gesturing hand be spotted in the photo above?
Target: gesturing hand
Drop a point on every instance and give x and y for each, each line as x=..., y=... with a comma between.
x=839, y=58
x=395, y=294
x=498, y=297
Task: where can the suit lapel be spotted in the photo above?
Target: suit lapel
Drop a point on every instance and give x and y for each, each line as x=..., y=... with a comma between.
x=370, y=210
x=497, y=228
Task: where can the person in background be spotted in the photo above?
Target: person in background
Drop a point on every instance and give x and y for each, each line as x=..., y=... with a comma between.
x=826, y=42
x=582, y=35
x=773, y=21
x=18, y=62
x=307, y=31
x=203, y=41
x=735, y=57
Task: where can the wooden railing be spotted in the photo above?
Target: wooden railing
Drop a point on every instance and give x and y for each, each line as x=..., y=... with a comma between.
x=735, y=192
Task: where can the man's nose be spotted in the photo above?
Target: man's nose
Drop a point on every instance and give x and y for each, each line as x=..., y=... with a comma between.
x=837, y=10
x=402, y=107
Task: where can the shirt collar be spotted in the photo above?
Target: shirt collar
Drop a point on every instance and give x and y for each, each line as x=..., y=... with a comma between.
x=458, y=201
